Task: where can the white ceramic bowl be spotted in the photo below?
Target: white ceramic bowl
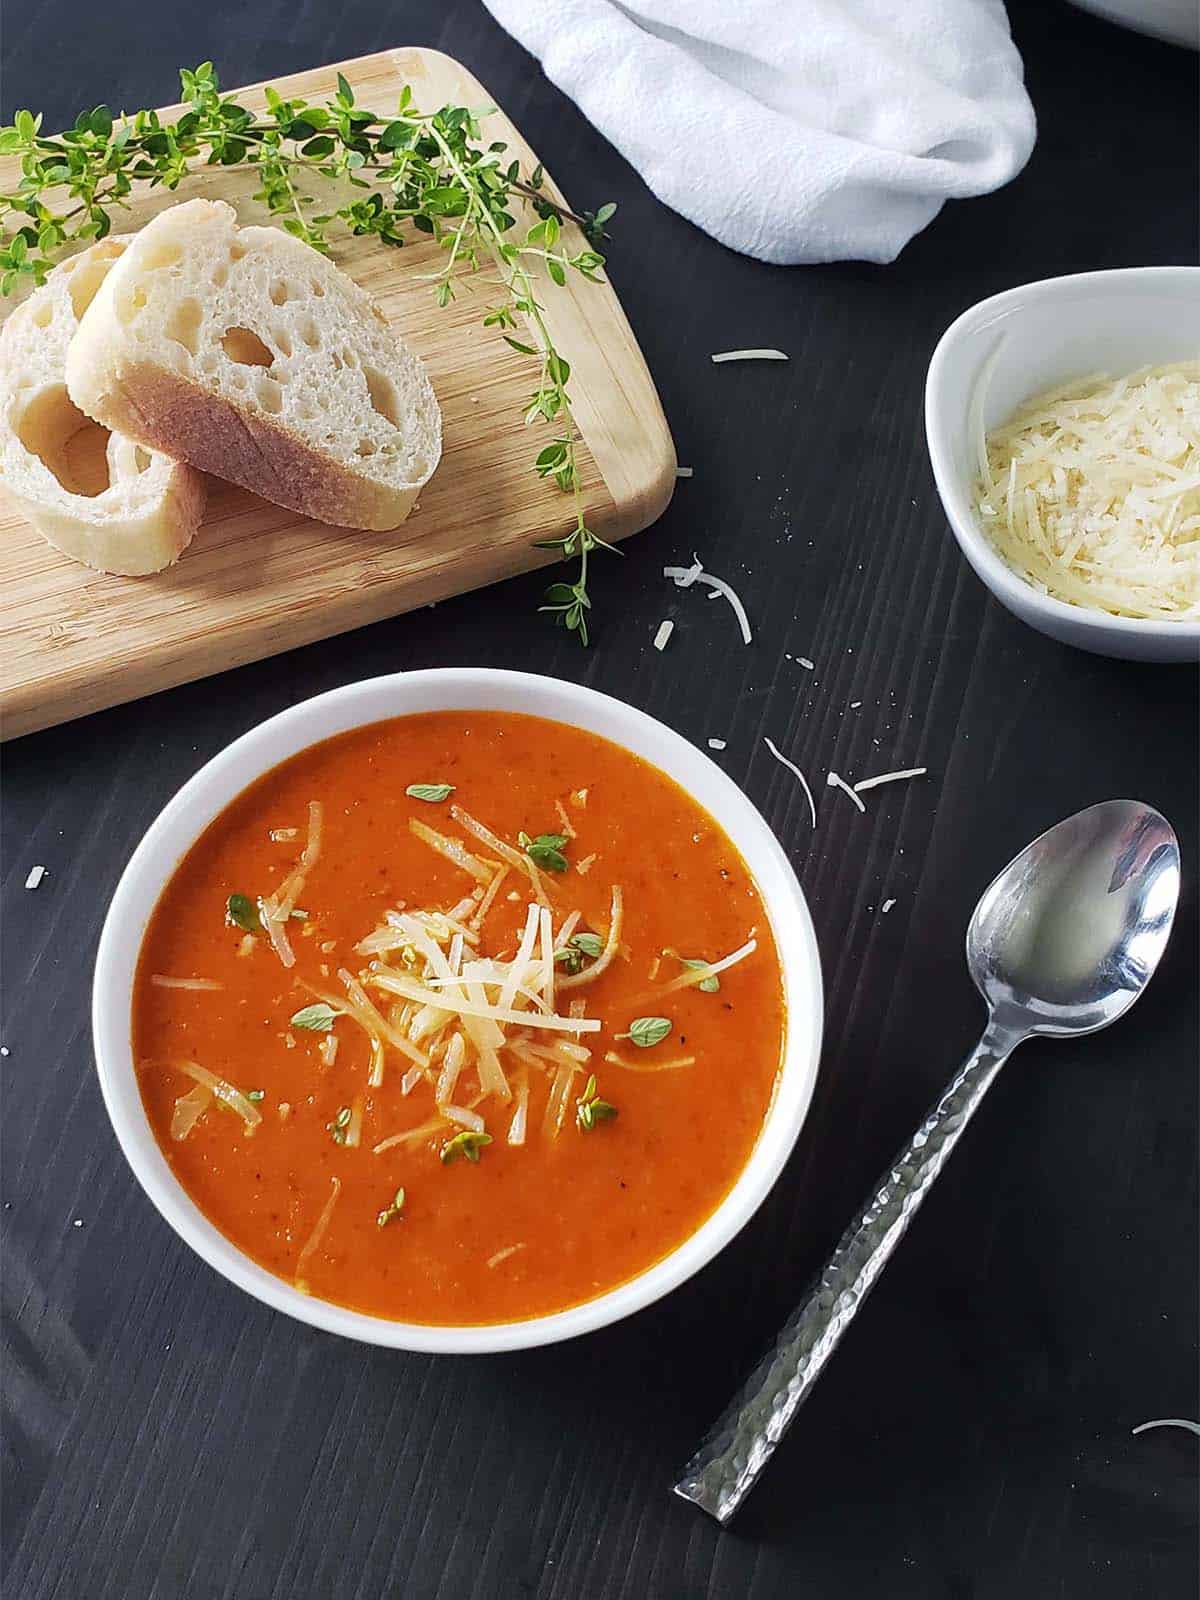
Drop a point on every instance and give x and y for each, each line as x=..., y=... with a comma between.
x=1044, y=334
x=228, y=773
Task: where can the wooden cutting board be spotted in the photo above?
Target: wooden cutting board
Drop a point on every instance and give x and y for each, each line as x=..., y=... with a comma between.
x=257, y=579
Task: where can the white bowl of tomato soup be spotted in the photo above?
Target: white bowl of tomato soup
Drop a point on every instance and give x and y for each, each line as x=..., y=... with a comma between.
x=458, y=1011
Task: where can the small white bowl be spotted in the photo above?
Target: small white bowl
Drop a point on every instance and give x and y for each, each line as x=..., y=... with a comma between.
x=1040, y=335
x=229, y=773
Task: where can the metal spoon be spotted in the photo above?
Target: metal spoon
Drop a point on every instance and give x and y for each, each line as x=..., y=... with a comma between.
x=1062, y=942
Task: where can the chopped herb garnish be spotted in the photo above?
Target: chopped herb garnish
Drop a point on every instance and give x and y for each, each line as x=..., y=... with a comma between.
x=256, y=1094
x=391, y=1212
x=338, y=1126
x=467, y=1143
x=433, y=792
x=590, y=1109
x=646, y=1031
x=572, y=953
x=706, y=985
x=241, y=912
x=300, y=916
x=545, y=850
x=317, y=1018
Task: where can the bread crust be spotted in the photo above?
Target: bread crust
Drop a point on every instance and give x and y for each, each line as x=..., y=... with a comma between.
x=165, y=411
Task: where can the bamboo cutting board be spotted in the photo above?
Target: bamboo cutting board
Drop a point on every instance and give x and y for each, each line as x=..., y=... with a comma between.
x=257, y=579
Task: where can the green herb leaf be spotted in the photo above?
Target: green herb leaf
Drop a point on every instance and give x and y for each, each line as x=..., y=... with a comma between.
x=590, y=943
x=337, y=1128
x=590, y=1109
x=242, y=913
x=433, y=792
x=546, y=850
x=256, y=1095
x=317, y=1018
x=706, y=985
x=392, y=1211
x=467, y=1143
x=647, y=1031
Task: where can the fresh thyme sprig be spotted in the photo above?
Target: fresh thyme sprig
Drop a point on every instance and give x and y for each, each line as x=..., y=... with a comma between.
x=421, y=171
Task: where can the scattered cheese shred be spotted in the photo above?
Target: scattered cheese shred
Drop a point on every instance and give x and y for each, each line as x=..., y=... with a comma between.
x=694, y=975
x=684, y=577
x=665, y=629
x=652, y=1065
x=886, y=907
x=795, y=771
x=889, y=777
x=683, y=472
x=1091, y=492
x=747, y=355
x=503, y=1255
x=36, y=874
x=161, y=982
x=716, y=744
x=834, y=780
x=315, y=1237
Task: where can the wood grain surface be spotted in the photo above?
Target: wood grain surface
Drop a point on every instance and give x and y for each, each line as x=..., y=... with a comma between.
x=258, y=579
x=169, y=1439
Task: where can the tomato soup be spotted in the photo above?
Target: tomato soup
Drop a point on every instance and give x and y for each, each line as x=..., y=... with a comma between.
x=459, y=1018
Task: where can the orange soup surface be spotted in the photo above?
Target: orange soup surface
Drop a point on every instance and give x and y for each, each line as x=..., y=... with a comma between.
x=439, y=1165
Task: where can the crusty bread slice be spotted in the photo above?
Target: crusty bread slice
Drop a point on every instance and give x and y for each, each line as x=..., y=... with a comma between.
x=98, y=497
x=246, y=353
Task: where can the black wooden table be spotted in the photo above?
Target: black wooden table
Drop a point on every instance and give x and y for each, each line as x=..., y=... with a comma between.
x=168, y=1437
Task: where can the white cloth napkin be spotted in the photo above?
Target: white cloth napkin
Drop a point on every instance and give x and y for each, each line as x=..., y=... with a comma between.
x=794, y=130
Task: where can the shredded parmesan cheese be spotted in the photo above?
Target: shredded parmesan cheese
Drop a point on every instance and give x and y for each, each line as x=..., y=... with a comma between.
x=503, y=1255
x=716, y=744
x=747, y=355
x=161, y=982
x=886, y=907
x=665, y=629
x=795, y=771
x=1091, y=492
x=834, y=781
x=651, y=1065
x=315, y=1237
x=889, y=777
x=684, y=577
x=683, y=472
x=36, y=874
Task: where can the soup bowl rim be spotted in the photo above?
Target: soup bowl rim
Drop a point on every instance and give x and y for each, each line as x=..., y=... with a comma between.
x=264, y=746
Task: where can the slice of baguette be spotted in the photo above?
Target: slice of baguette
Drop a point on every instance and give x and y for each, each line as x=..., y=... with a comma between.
x=98, y=497
x=246, y=353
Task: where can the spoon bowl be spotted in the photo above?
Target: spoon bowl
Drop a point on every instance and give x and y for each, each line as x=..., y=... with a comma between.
x=1066, y=937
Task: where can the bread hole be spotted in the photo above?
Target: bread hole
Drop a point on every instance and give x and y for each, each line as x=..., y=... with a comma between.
x=246, y=348
x=309, y=332
x=165, y=253
x=88, y=277
x=236, y=250
x=270, y=395
x=128, y=304
x=349, y=357
x=318, y=288
x=282, y=292
x=220, y=275
x=283, y=341
x=69, y=445
x=42, y=314
x=141, y=458
x=303, y=412
x=338, y=363
x=365, y=447
x=183, y=325
x=383, y=395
